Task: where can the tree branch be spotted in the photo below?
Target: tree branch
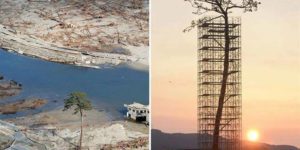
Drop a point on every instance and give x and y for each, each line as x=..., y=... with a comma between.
x=200, y=21
x=219, y=4
x=247, y=5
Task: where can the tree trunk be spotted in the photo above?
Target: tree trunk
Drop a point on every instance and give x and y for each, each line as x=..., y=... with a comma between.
x=223, y=86
x=81, y=130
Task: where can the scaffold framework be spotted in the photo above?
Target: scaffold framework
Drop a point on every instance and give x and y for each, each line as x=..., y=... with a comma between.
x=211, y=51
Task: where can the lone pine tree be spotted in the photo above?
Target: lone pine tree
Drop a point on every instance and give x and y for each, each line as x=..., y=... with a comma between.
x=222, y=9
x=79, y=102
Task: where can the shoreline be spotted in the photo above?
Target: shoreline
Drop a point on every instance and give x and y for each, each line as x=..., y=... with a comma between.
x=132, y=65
x=97, y=35
x=76, y=32
x=54, y=100
x=66, y=119
x=59, y=128
x=30, y=46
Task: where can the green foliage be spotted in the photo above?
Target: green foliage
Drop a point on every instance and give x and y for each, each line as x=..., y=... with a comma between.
x=78, y=101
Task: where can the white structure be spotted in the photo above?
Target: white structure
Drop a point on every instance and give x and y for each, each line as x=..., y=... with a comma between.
x=137, y=112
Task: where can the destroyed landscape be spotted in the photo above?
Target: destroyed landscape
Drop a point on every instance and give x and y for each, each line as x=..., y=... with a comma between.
x=86, y=33
x=51, y=48
x=51, y=130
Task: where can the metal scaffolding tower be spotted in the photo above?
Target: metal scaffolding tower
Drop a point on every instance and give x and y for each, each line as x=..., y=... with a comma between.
x=211, y=52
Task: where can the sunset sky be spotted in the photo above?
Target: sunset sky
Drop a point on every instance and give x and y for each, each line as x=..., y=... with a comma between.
x=270, y=69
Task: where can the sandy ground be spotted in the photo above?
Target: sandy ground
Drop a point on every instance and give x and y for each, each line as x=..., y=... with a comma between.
x=60, y=129
x=66, y=119
x=63, y=119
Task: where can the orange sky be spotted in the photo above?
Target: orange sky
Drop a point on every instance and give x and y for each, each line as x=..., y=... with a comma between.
x=271, y=69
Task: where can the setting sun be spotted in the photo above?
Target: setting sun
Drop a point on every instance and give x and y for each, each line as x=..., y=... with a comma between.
x=253, y=135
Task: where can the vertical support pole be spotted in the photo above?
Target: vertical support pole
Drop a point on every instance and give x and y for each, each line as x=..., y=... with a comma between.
x=211, y=53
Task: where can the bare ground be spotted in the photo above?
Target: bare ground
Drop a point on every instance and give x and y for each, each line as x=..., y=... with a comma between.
x=108, y=26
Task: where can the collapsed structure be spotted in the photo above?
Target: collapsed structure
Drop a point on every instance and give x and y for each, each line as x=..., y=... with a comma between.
x=138, y=112
x=211, y=41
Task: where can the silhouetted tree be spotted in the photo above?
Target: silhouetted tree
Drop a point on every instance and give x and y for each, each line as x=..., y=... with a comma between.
x=79, y=102
x=222, y=9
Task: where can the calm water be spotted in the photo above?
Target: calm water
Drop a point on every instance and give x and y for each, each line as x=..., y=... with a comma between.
x=108, y=88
